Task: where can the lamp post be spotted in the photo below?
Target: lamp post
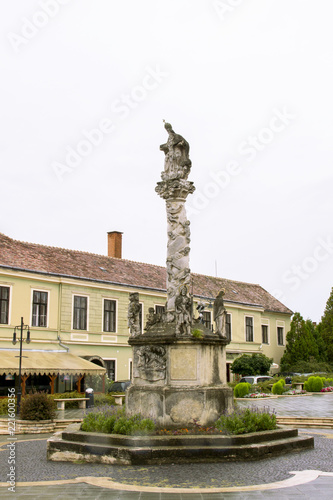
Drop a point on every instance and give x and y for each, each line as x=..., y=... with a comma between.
x=22, y=327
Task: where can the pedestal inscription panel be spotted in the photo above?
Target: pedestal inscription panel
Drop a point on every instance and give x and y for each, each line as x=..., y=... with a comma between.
x=183, y=364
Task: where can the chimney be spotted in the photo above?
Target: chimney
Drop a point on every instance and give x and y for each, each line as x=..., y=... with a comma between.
x=115, y=244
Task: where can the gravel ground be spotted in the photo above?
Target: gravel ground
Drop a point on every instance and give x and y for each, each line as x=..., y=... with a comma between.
x=31, y=465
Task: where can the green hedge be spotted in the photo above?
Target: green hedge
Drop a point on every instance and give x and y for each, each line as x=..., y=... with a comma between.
x=242, y=389
x=278, y=387
x=314, y=384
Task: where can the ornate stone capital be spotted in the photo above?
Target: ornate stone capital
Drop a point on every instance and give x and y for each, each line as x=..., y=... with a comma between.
x=175, y=189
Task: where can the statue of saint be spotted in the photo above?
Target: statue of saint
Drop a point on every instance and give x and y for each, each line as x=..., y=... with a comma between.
x=134, y=314
x=183, y=309
x=177, y=164
x=220, y=314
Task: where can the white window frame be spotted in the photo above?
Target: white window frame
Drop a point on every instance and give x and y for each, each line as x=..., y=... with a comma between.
x=76, y=294
x=263, y=323
x=130, y=362
x=277, y=336
x=248, y=316
x=10, y=286
x=116, y=301
x=230, y=314
x=34, y=289
x=115, y=366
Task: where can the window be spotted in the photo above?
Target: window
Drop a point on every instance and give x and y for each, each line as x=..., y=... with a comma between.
x=4, y=304
x=160, y=310
x=39, y=308
x=207, y=319
x=249, y=328
x=264, y=334
x=109, y=316
x=228, y=326
x=80, y=313
x=280, y=335
x=140, y=316
x=111, y=369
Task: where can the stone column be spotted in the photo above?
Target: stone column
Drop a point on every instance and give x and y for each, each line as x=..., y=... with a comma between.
x=174, y=189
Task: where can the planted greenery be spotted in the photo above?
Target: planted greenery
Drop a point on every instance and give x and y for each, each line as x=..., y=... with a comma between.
x=4, y=406
x=197, y=333
x=37, y=406
x=243, y=421
x=112, y=420
x=242, y=389
x=278, y=387
x=314, y=384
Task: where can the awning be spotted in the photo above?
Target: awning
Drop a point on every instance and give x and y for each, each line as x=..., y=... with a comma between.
x=47, y=363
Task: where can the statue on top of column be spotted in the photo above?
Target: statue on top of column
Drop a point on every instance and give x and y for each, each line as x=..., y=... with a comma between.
x=177, y=164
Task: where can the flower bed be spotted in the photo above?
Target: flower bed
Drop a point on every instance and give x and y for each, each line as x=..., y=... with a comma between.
x=327, y=389
x=257, y=395
x=294, y=392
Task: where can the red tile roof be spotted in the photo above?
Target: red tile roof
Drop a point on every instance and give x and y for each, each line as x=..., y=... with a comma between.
x=83, y=265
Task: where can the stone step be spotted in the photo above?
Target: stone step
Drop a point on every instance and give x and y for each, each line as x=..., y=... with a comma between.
x=215, y=450
x=306, y=422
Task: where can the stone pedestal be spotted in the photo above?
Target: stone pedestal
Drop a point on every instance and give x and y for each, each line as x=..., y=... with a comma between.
x=179, y=380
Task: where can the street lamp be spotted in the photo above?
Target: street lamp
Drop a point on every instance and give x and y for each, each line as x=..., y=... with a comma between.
x=22, y=327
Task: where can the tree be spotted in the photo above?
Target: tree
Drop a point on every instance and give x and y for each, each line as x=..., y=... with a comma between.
x=303, y=344
x=256, y=364
x=325, y=328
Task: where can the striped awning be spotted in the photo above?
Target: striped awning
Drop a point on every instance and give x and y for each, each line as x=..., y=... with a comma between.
x=46, y=363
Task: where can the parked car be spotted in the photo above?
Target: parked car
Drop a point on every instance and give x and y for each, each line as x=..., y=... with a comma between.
x=119, y=386
x=255, y=379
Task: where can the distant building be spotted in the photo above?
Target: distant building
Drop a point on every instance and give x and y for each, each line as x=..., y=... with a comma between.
x=77, y=302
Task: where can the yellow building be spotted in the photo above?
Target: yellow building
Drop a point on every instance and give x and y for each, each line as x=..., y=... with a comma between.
x=77, y=302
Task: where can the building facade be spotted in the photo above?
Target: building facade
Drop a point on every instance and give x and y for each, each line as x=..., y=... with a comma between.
x=77, y=302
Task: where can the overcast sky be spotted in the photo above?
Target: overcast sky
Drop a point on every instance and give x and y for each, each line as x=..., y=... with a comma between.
x=85, y=85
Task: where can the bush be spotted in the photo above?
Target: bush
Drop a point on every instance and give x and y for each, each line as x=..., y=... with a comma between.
x=328, y=382
x=4, y=406
x=242, y=389
x=103, y=399
x=112, y=420
x=243, y=421
x=37, y=406
x=313, y=384
x=278, y=387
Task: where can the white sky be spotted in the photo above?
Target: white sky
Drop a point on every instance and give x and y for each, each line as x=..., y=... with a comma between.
x=224, y=73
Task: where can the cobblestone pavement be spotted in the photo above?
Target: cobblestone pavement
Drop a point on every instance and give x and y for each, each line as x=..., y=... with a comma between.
x=241, y=480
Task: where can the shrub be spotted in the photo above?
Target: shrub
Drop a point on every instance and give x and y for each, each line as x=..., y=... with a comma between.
x=328, y=382
x=313, y=384
x=37, y=406
x=265, y=386
x=112, y=420
x=278, y=387
x=242, y=389
x=4, y=406
x=103, y=399
x=243, y=421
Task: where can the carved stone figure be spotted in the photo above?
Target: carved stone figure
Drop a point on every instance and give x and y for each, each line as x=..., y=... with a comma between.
x=152, y=318
x=134, y=314
x=177, y=164
x=183, y=309
x=220, y=314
